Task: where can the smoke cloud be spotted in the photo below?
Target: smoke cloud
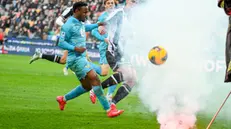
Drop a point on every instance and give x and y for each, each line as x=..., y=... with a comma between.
x=193, y=33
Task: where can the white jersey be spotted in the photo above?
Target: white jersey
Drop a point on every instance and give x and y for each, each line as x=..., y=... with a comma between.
x=120, y=29
x=115, y=20
x=66, y=13
x=63, y=17
x=114, y=23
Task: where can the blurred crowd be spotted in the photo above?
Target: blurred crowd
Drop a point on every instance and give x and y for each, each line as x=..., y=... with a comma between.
x=35, y=19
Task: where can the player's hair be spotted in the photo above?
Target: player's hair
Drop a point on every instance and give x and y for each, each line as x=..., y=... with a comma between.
x=105, y=1
x=78, y=5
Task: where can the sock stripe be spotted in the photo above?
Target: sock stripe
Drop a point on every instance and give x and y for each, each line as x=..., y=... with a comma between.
x=41, y=56
x=125, y=88
x=120, y=75
x=114, y=79
x=115, y=67
x=55, y=58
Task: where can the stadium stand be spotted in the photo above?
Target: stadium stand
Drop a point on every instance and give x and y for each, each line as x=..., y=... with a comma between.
x=35, y=19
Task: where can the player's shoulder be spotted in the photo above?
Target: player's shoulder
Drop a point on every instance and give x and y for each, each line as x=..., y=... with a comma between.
x=103, y=16
x=68, y=23
x=73, y=23
x=118, y=11
x=119, y=8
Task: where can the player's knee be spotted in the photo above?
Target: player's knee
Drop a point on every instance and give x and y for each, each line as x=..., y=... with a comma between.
x=105, y=71
x=62, y=60
x=92, y=75
x=127, y=87
x=129, y=76
x=111, y=61
x=117, y=77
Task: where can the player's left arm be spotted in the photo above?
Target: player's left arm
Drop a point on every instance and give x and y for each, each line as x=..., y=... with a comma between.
x=90, y=27
x=97, y=35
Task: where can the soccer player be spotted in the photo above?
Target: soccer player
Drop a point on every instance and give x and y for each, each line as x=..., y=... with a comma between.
x=73, y=39
x=101, y=34
x=226, y=5
x=123, y=71
x=56, y=58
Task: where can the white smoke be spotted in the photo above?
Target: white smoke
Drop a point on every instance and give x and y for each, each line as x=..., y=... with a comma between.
x=192, y=31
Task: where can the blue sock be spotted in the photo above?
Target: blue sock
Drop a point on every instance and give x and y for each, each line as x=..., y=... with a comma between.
x=75, y=93
x=111, y=89
x=97, y=68
x=98, y=90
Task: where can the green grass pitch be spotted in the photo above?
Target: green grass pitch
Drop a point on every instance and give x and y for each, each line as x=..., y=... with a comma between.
x=27, y=101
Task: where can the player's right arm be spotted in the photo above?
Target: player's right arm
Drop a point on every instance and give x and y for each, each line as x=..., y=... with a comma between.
x=67, y=46
x=95, y=32
x=97, y=35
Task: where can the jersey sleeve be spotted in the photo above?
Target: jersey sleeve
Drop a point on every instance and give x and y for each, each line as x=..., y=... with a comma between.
x=89, y=27
x=117, y=16
x=63, y=41
x=97, y=35
x=95, y=31
x=67, y=12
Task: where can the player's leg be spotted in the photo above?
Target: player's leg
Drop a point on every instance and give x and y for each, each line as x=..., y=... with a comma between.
x=88, y=79
x=84, y=87
x=129, y=80
x=103, y=63
x=77, y=91
x=98, y=90
x=1, y=44
x=126, y=74
x=70, y=95
x=228, y=54
x=114, y=79
x=52, y=58
x=65, y=70
x=63, y=60
x=104, y=70
x=113, y=59
x=101, y=70
x=123, y=90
